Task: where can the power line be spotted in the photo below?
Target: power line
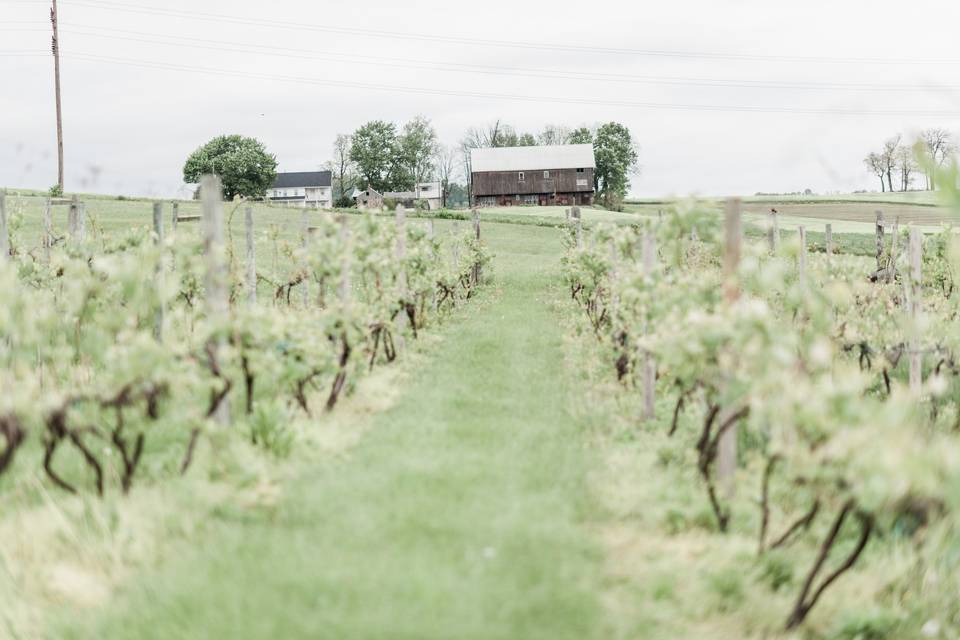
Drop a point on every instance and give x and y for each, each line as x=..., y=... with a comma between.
x=378, y=33
x=550, y=74
x=498, y=96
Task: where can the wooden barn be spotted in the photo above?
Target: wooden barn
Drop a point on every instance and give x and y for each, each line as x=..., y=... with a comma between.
x=551, y=175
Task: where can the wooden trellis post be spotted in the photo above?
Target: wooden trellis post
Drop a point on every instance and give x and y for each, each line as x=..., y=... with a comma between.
x=401, y=255
x=81, y=221
x=217, y=301
x=456, y=247
x=578, y=222
x=727, y=446
x=649, y=256
x=829, y=243
x=73, y=217
x=880, y=242
x=175, y=217
x=47, y=230
x=304, y=240
x=4, y=230
x=915, y=296
x=894, y=251
x=773, y=232
x=343, y=293
x=251, y=257
x=158, y=240
x=477, y=270
x=802, y=262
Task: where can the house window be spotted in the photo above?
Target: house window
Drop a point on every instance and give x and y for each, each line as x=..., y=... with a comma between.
x=521, y=176
x=579, y=170
x=546, y=175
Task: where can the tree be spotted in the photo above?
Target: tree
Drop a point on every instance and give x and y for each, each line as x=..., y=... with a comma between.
x=582, y=135
x=445, y=159
x=374, y=149
x=243, y=164
x=342, y=167
x=907, y=165
x=939, y=147
x=554, y=135
x=526, y=140
x=889, y=156
x=874, y=162
x=418, y=148
x=616, y=158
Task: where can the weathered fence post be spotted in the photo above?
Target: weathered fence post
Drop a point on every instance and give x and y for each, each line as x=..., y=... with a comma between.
x=81, y=221
x=217, y=294
x=894, y=251
x=251, y=257
x=727, y=446
x=649, y=257
x=158, y=241
x=4, y=230
x=304, y=241
x=477, y=272
x=802, y=262
x=916, y=298
x=773, y=232
x=829, y=243
x=401, y=255
x=47, y=230
x=456, y=247
x=174, y=217
x=343, y=293
x=578, y=222
x=72, y=218
x=566, y=212
x=880, y=242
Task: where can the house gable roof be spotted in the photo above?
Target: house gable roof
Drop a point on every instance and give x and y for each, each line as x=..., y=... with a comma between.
x=566, y=156
x=303, y=179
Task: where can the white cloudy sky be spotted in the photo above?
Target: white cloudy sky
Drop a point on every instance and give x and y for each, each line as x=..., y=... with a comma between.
x=724, y=96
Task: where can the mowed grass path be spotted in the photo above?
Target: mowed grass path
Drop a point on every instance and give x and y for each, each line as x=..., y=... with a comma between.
x=459, y=515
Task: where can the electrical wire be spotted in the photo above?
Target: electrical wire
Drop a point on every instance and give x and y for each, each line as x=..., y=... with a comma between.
x=500, y=96
x=109, y=5
x=550, y=74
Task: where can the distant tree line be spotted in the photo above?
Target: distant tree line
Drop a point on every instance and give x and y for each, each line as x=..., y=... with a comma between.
x=899, y=162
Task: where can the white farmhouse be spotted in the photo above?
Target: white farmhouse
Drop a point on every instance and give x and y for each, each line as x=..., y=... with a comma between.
x=303, y=189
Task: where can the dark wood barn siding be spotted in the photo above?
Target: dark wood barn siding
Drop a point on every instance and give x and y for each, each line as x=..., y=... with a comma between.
x=499, y=183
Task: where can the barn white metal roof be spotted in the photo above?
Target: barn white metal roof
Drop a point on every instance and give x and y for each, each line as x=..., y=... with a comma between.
x=567, y=156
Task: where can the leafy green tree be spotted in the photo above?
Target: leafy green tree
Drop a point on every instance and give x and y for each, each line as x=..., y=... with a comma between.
x=243, y=164
x=375, y=150
x=616, y=157
x=582, y=135
x=418, y=146
x=526, y=140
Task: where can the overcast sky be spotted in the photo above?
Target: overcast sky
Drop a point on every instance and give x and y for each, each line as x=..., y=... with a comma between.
x=723, y=97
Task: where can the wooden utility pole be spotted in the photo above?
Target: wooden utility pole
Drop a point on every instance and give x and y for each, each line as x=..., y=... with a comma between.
x=56, y=72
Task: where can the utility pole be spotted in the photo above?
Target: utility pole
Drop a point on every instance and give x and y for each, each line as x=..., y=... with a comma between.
x=56, y=69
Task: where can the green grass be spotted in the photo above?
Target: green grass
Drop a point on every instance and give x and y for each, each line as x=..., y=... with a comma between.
x=459, y=515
